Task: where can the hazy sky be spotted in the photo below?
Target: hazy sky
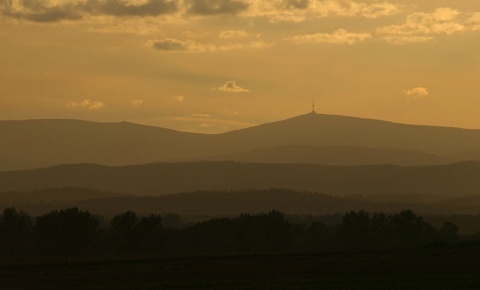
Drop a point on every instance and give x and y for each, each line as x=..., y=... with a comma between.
x=218, y=65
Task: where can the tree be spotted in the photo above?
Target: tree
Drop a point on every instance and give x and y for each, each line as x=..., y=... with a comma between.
x=148, y=233
x=448, y=233
x=123, y=235
x=15, y=232
x=355, y=232
x=65, y=232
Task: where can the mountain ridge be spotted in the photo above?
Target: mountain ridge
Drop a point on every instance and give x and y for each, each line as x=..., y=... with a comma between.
x=452, y=180
x=30, y=144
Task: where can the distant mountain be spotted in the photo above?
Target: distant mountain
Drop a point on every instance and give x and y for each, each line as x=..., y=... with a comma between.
x=42, y=143
x=331, y=130
x=453, y=180
x=335, y=155
x=54, y=195
x=210, y=203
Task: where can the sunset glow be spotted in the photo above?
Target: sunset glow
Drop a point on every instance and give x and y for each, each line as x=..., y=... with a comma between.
x=212, y=66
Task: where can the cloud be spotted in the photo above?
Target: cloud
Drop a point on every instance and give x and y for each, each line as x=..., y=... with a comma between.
x=176, y=45
x=41, y=11
x=95, y=11
x=179, y=98
x=98, y=11
x=474, y=21
x=419, y=92
x=131, y=27
x=339, y=36
x=199, y=115
x=231, y=87
x=422, y=27
x=171, y=44
x=92, y=105
x=302, y=10
x=137, y=103
x=407, y=39
x=234, y=34
x=48, y=11
x=131, y=8
x=296, y=4
x=215, y=7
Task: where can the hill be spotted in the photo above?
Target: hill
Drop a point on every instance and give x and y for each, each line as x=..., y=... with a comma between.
x=212, y=203
x=331, y=130
x=42, y=143
x=335, y=155
x=453, y=180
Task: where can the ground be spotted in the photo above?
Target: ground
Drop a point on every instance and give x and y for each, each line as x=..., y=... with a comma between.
x=455, y=267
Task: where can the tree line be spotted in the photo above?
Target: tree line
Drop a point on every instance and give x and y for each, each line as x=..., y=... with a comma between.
x=75, y=232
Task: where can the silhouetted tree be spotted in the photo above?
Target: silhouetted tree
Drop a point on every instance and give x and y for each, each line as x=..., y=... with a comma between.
x=15, y=232
x=406, y=230
x=355, y=232
x=171, y=220
x=448, y=233
x=123, y=236
x=148, y=233
x=65, y=232
x=75, y=232
x=318, y=237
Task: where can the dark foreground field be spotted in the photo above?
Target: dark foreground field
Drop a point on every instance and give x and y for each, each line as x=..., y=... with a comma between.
x=455, y=267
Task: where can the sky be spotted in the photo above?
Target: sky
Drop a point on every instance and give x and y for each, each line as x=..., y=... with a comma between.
x=211, y=66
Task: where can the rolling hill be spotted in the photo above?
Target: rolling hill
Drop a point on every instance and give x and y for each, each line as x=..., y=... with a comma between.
x=207, y=203
x=41, y=143
x=335, y=155
x=453, y=180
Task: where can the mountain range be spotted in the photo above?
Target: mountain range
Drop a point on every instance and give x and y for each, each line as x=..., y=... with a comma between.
x=452, y=180
x=309, y=138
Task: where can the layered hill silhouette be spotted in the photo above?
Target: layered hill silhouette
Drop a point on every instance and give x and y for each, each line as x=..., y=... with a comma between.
x=335, y=155
x=453, y=180
x=42, y=143
x=212, y=203
x=204, y=203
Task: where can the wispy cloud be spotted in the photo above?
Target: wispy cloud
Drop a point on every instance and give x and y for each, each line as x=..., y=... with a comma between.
x=474, y=21
x=171, y=44
x=124, y=27
x=200, y=115
x=231, y=87
x=137, y=103
x=215, y=7
x=179, y=98
x=51, y=11
x=339, y=36
x=176, y=45
x=422, y=26
x=235, y=34
x=92, y=105
x=419, y=92
x=302, y=10
x=48, y=11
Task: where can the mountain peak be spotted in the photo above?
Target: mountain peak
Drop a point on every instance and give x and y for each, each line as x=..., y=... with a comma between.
x=37, y=143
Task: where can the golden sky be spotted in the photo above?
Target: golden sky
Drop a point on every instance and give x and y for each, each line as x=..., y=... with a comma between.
x=218, y=65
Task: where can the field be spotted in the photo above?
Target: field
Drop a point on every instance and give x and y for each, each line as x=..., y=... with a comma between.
x=455, y=267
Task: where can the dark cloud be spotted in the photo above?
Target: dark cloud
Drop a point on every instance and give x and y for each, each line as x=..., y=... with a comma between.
x=170, y=44
x=54, y=15
x=212, y=7
x=121, y=8
x=297, y=4
x=41, y=11
x=38, y=11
